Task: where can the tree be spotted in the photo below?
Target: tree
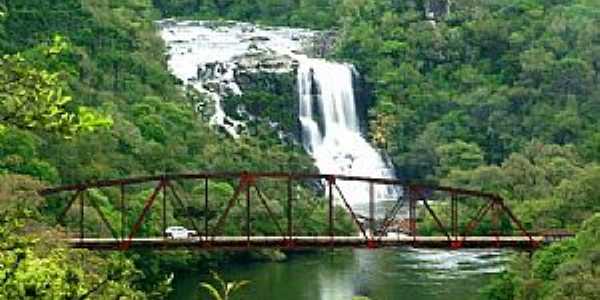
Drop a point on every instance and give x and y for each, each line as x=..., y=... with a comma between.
x=19, y=153
x=563, y=270
x=35, y=98
x=2, y=18
x=222, y=5
x=30, y=269
x=34, y=265
x=458, y=156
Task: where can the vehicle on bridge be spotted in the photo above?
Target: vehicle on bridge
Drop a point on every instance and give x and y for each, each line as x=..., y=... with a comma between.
x=180, y=232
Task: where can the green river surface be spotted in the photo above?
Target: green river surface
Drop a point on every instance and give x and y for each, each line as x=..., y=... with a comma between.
x=380, y=274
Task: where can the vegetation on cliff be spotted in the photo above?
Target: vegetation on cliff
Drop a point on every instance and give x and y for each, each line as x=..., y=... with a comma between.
x=494, y=95
x=319, y=14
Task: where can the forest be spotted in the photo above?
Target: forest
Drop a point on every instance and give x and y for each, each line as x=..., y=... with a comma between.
x=500, y=96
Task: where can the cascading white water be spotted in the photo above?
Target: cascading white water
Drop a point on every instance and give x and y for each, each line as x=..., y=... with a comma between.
x=331, y=130
x=207, y=55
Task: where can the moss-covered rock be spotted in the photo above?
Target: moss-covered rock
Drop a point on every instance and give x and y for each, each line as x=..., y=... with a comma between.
x=267, y=97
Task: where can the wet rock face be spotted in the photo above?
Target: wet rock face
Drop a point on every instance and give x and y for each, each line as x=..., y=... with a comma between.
x=264, y=60
x=363, y=92
x=268, y=98
x=237, y=69
x=246, y=74
x=322, y=43
x=437, y=9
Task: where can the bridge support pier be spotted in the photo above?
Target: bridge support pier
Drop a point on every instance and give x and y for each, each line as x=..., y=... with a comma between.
x=412, y=212
x=248, y=221
x=81, y=215
x=290, y=215
x=331, y=182
x=371, y=209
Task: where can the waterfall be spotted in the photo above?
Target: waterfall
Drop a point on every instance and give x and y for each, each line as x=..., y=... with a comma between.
x=331, y=131
x=208, y=55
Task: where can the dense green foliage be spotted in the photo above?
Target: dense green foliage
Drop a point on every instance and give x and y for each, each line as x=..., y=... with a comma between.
x=498, y=95
x=299, y=13
x=32, y=266
x=566, y=270
x=492, y=74
x=32, y=98
x=548, y=186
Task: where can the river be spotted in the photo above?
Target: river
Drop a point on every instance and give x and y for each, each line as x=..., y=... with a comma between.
x=341, y=274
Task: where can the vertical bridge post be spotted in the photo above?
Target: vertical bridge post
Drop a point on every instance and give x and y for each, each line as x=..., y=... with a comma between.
x=412, y=212
x=164, y=210
x=290, y=225
x=371, y=243
x=371, y=209
x=123, y=212
x=455, y=243
x=81, y=215
x=248, y=233
x=331, y=181
x=206, y=209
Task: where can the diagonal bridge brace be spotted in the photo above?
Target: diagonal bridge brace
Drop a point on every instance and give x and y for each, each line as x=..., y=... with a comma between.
x=136, y=227
x=352, y=214
x=103, y=217
x=437, y=220
x=181, y=205
x=269, y=212
x=245, y=181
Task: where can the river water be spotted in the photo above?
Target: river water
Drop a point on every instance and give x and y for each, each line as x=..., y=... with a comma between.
x=341, y=274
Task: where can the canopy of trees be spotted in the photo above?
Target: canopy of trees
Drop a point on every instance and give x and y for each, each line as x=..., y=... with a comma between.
x=492, y=74
x=34, y=98
x=495, y=95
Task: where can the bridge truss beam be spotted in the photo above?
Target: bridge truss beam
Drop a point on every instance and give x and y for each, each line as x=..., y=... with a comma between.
x=377, y=235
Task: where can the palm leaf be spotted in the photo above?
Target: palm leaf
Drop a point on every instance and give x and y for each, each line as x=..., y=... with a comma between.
x=211, y=289
x=239, y=284
x=218, y=278
x=233, y=286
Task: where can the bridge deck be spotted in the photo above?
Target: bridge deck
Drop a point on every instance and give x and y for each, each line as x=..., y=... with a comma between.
x=224, y=242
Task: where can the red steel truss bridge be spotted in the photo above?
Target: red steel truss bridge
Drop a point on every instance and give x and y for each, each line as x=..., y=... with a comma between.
x=456, y=214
